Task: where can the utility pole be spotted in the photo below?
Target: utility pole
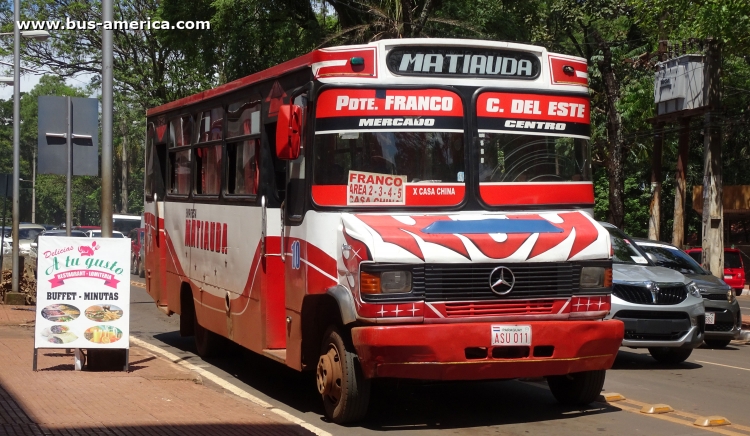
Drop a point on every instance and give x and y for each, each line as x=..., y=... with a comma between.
x=33, y=186
x=124, y=167
x=713, y=208
x=107, y=106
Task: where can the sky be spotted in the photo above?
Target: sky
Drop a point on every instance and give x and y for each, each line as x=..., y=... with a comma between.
x=28, y=81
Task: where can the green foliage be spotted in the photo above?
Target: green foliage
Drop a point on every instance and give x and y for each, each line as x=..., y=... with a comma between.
x=247, y=36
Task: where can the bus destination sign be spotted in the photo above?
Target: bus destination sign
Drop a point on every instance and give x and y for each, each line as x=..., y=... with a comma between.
x=463, y=62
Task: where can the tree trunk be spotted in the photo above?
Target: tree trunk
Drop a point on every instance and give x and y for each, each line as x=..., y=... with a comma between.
x=615, y=170
x=654, y=221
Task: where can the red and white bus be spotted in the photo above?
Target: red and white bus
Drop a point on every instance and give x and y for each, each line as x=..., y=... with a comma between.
x=412, y=208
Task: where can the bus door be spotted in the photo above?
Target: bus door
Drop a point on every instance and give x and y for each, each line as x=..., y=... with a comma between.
x=155, y=248
x=294, y=232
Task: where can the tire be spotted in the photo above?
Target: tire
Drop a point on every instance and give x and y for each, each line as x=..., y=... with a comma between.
x=577, y=389
x=141, y=270
x=670, y=355
x=133, y=266
x=342, y=385
x=717, y=343
x=207, y=343
x=737, y=292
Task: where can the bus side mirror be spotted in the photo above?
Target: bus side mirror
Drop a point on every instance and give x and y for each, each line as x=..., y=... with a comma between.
x=288, y=132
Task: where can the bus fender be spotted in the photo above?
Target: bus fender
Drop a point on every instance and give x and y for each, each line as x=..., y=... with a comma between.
x=346, y=303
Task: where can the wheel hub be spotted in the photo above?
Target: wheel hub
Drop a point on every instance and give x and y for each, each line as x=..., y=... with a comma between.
x=328, y=375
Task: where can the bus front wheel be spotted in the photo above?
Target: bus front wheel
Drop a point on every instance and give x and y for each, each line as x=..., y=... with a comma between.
x=345, y=390
x=577, y=389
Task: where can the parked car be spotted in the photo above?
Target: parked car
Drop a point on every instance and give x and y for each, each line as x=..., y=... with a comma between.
x=26, y=234
x=734, y=268
x=98, y=234
x=136, y=251
x=723, y=318
x=34, y=250
x=6, y=246
x=662, y=309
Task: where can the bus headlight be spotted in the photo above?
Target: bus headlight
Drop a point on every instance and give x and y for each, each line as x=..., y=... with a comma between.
x=385, y=282
x=596, y=277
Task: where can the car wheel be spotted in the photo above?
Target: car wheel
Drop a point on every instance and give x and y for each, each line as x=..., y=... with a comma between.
x=670, y=355
x=577, y=389
x=738, y=292
x=133, y=263
x=141, y=270
x=717, y=343
x=343, y=387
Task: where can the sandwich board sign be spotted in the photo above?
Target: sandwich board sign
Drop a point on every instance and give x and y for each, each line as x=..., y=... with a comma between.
x=83, y=293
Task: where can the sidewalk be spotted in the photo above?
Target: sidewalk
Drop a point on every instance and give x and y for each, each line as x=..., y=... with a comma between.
x=156, y=397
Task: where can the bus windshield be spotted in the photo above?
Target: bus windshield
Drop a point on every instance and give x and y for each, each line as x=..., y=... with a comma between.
x=403, y=147
x=509, y=157
x=422, y=157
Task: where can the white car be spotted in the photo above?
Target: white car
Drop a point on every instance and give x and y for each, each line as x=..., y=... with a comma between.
x=661, y=308
x=7, y=246
x=98, y=234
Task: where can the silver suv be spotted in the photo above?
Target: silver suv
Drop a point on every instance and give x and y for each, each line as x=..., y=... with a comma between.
x=723, y=318
x=662, y=309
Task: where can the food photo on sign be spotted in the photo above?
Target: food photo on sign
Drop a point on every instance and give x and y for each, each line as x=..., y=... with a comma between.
x=83, y=293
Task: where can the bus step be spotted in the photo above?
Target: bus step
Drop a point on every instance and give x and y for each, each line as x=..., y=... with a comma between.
x=276, y=354
x=165, y=309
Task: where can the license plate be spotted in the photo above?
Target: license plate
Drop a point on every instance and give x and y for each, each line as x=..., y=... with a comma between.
x=727, y=276
x=710, y=318
x=511, y=335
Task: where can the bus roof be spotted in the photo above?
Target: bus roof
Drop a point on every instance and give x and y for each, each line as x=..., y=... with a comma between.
x=331, y=62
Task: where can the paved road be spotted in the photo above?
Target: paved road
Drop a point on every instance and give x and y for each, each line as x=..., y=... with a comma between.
x=711, y=382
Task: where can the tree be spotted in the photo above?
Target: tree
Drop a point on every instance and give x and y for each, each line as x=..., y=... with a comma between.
x=144, y=67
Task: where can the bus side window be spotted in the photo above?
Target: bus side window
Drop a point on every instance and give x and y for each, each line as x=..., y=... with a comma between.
x=242, y=166
x=179, y=162
x=156, y=161
x=208, y=165
x=279, y=166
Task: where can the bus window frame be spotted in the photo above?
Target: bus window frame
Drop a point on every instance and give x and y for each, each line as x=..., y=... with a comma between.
x=474, y=136
x=172, y=149
x=250, y=198
x=469, y=172
x=196, y=144
x=151, y=144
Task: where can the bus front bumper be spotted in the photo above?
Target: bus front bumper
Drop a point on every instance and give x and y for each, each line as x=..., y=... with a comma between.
x=464, y=352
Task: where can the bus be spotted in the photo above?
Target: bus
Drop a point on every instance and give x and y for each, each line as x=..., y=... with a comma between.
x=412, y=208
x=125, y=223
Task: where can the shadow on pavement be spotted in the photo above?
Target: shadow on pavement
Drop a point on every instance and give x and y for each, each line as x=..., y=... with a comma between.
x=631, y=360
x=395, y=404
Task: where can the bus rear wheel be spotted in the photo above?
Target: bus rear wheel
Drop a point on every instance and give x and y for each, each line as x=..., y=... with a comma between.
x=207, y=343
x=341, y=383
x=577, y=389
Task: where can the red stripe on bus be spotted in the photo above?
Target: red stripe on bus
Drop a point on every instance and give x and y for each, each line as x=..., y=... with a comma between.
x=543, y=194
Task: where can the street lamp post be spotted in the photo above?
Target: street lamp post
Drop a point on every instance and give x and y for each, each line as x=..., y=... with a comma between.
x=39, y=35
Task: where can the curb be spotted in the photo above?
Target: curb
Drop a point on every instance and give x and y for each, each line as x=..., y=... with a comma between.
x=227, y=385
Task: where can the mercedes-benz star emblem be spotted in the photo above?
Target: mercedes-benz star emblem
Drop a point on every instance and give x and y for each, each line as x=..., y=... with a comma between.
x=502, y=280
